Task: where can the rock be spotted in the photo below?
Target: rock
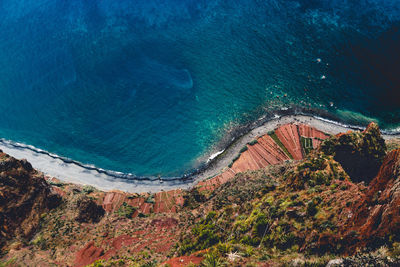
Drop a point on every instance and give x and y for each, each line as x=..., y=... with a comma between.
x=377, y=215
x=89, y=211
x=360, y=154
x=88, y=254
x=24, y=197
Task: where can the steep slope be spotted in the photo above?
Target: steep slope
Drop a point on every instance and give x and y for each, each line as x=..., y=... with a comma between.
x=271, y=149
x=377, y=217
x=24, y=197
x=360, y=154
x=266, y=208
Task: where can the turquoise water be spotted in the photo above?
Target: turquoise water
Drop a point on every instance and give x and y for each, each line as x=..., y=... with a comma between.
x=151, y=87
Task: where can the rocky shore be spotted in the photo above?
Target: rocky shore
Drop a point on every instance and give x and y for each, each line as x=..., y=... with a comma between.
x=73, y=172
x=291, y=190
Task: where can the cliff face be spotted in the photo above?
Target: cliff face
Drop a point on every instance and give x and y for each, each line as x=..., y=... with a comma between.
x=360, y=154
x=377, y=215
x=292, y=192
x=24, y=197
x=319, y=205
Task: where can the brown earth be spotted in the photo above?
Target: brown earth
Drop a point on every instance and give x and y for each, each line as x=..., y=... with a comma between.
x=89, y=225
x=24, y=197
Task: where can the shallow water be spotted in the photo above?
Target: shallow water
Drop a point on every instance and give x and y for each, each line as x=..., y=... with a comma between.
x=150, y=87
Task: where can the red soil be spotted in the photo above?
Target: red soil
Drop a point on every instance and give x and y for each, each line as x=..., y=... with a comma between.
x=288, y=134
x=310, y=132
x=267, y=152
x=88, y=254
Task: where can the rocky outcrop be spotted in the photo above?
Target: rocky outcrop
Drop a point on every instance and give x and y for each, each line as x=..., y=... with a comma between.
x=377, y=216
x=360, y=154
x=88, y=254
x=24, y=197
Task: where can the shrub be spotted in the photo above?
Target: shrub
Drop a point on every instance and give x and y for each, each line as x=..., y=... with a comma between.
x=252, y=143
x=243, y=149
x=213, y=260
x=126, y=210
x=261, y=225
x=204, y=235
x=312, y=207
x=88, y=189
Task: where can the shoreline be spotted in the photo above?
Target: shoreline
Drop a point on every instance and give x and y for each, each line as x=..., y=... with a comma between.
x=70, y=171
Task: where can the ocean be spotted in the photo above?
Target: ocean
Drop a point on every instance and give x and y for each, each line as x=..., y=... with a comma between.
x=151, y=87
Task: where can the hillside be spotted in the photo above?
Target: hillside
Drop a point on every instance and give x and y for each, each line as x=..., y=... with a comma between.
x=295, y=196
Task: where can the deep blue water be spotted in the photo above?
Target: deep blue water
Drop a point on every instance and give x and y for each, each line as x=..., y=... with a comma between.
x=149, y=87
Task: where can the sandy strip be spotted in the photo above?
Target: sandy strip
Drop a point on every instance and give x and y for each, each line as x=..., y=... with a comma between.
x=73, y=173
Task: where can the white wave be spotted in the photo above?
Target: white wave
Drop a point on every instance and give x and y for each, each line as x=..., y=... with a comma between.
x=216, y=154
x=74, y=172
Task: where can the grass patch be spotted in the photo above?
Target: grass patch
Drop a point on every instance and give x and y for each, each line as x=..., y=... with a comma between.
x=276, y=139
x=126, y=210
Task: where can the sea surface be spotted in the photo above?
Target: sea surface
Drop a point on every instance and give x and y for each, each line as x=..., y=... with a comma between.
x=151, y=87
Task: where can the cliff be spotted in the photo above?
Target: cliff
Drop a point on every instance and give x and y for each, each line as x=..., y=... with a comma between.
x=24, y=197
x=294, y=196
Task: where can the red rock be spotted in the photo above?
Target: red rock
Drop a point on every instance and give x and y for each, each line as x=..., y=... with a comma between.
x=244, y=163
x=377, y=215
x=314, y=134
x=316, y=143
x=88, y=254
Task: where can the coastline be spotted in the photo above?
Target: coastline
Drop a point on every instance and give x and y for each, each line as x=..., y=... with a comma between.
x=70, y=171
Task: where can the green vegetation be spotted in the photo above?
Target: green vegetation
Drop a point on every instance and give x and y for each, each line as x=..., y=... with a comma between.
x=212, y=259
x=307, y=144
x=312, y=206
x=8, y=263
x=243, y=149
x=150, y=199
x=279, y=143
x=359, y=153
x=205, y=234
x=234, y=159
x=126, y=210
x=88, y=189
x=193, y=199
x=252, y=143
